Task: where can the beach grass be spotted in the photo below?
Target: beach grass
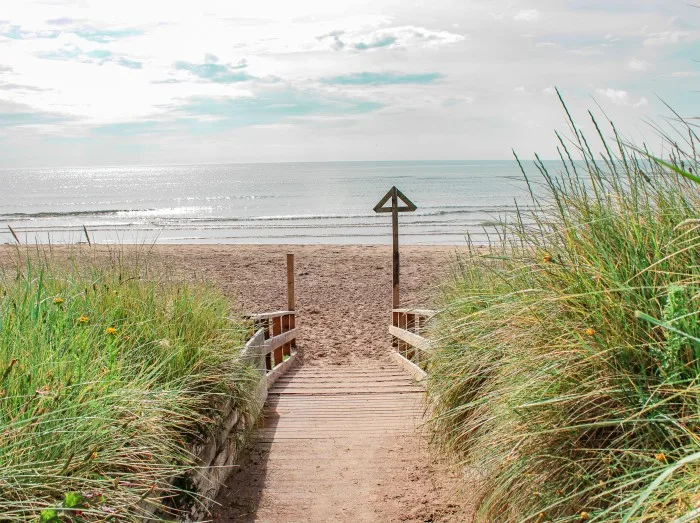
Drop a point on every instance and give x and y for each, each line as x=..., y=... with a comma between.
x=110, y=368
x=566, y=375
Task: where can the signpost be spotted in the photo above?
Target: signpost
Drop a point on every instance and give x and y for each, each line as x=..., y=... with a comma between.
x=395, y=195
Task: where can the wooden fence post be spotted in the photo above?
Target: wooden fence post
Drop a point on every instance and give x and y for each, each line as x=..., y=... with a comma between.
x=291, y=304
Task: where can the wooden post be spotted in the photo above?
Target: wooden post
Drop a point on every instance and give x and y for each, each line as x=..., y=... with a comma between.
x=291, y=300
x=290, y=282
x=395, y=235
x=408, y=206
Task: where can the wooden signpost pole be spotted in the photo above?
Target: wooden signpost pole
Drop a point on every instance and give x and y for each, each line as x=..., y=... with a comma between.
x=395, y=196
x=291, y=303
x=396, y=257
x=290, y=282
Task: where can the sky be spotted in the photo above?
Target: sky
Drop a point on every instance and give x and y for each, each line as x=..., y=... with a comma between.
x=105, y=82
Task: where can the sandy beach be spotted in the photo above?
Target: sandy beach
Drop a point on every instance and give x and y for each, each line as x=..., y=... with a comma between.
x=343, y=293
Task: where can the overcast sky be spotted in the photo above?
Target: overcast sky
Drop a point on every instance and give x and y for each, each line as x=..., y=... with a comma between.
x=85, y=82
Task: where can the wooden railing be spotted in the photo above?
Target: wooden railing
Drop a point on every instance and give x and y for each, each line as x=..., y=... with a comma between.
x=271, y=349
x=406, y=328
x=280, y=333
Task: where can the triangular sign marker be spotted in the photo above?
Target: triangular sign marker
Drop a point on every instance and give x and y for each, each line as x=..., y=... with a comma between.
x=408, y=206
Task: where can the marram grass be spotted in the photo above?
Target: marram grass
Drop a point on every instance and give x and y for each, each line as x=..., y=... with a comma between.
x=108, y=372
x=567, y=374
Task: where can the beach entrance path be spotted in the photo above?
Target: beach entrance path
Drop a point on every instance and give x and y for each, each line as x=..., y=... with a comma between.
x=338, y=443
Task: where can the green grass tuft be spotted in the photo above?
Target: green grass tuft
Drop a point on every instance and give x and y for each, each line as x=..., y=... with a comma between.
x=109, y=371
x=567, y=373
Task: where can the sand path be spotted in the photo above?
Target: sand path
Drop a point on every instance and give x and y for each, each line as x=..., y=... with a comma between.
x=331, y=454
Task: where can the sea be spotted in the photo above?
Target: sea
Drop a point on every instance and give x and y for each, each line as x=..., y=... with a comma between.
x=259, y=203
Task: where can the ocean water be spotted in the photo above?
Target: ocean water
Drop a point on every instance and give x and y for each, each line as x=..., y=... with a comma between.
x=307, y=203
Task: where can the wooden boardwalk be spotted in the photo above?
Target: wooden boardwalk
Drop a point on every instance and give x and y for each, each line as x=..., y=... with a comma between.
x=332, y=438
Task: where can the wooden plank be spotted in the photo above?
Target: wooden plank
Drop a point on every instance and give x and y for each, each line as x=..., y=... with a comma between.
x=276, y=373
x=359, y=392
x=414, y=370
x=419, y=312
x=269, y=315
x=254, y=350
x=276, y=326
x=414, y=340
x=277, y=341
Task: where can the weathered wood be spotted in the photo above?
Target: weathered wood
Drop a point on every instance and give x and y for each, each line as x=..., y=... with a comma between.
x=279, y=340
x=395, y=243
x=402, y=325
x=414, y=370
x=408, y=206
x=290, y=282
x=280, y=370
x=269, y=315
x=412, y=339
x=254, y=351
x=395, y=195
x=419, y=312
x=276, y=326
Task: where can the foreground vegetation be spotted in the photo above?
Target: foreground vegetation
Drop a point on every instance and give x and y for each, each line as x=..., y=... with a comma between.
x=109, y=370
x=567, y=372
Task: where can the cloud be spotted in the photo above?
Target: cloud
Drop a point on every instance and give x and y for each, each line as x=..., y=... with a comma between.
x=212, y=71
x=61, y=21
x=267, y=108
x=5, y=69
x=390, y=37
x=96, y=56
x=386, y=78
x=685, y=74
x=589, y=50
x=667, y=38
x=638, y=65
x=21, y=87
x=622, y=98
x=337, y=43
x=20, y=115
x=383, y=41
x=527, y=15
x=131, y=128
x=106, y=36
x=16, y=32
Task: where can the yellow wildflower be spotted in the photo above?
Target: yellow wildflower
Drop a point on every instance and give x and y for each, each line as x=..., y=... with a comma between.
x=58, y=300
x=83, y=319
x=660, y=457
x=590, y=332
x=584, y=516
x=111, y=331
x=547, y=258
